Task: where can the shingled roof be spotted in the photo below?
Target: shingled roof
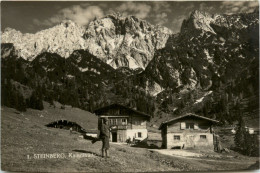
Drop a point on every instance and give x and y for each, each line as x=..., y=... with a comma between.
x=100, y=110
x=187, y=115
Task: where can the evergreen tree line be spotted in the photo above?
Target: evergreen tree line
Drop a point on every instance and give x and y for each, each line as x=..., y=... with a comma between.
x=247, y=144
x=11, y=97
x=135, y=97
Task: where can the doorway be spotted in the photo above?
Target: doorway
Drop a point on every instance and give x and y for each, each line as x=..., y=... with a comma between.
x=190, y=142
x=114, y=136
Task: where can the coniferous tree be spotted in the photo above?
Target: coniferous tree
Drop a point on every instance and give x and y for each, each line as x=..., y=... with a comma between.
x=251, y=144
x=35, y=101
x=91, y=104
x=21, y=104
x=255, y=145
x=240, y=135
x=248, y=143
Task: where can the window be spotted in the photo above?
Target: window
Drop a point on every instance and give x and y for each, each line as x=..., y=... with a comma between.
x=124, y=121
x=203, y=137
x=177, y=137
x=139, y=135
x=183, y=125
x=189, y=125
x=114, y=122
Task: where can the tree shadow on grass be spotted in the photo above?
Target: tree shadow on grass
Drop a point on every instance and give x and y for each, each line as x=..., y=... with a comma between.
x=89, y=152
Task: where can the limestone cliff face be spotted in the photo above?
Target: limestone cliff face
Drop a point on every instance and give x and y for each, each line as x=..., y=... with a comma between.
x=62, y=39
x=118, y=41
x=125, y=41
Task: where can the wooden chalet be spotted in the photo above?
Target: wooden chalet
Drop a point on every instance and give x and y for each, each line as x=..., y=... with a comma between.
x=126, y=123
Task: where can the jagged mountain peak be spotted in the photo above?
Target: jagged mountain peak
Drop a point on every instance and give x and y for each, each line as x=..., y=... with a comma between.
x=124, y=41
x=197, y=14
x=62, y=39
x=198, y=21
x=207, y=48
x=128, y=23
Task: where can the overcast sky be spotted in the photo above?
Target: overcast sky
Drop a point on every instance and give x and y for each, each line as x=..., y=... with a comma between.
x=30, y=17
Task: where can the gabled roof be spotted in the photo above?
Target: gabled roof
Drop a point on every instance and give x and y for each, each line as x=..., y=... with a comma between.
x=115, y=105
x=188, y=115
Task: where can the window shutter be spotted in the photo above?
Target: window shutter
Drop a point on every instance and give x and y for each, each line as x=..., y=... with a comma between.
x=196, y=127
x=183, y=125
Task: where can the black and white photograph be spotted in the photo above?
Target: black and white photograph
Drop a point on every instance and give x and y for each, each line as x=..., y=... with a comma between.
x=130, y=86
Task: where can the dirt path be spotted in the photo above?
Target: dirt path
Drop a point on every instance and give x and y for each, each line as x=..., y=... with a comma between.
x=210, y=160
x=221, y=162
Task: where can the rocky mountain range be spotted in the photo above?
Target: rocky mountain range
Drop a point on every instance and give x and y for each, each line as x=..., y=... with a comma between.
x=118, y=41
x=62, y=39
x=146, y=67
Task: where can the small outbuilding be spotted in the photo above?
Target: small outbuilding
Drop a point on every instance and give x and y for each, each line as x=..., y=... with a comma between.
x=189, y=131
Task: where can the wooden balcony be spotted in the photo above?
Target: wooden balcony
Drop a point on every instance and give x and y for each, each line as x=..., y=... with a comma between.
x=118, y=127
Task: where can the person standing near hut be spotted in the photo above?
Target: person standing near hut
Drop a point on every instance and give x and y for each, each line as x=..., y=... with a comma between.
x=104, y=136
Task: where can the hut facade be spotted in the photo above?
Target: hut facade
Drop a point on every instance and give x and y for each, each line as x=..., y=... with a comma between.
x=125, y=123
x=189, y=131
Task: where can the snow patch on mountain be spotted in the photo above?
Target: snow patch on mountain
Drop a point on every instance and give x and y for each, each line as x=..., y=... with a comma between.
x=202, y=98
x=209, y=58
x=70, y=76
x=154, y=89
x=83, y=69
x=132, y=63
x=109, y=61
